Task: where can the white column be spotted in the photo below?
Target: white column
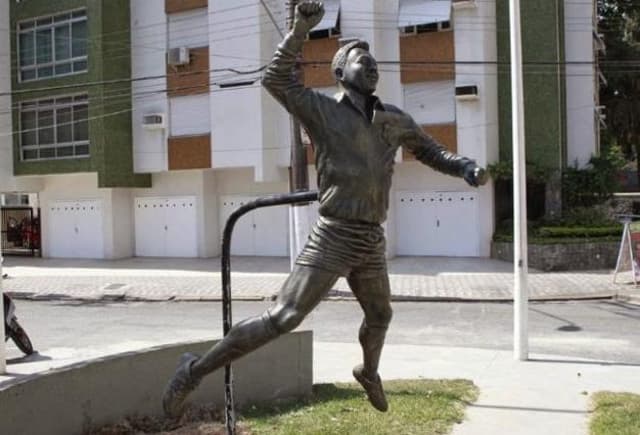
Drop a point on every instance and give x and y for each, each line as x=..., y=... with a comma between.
x=520, y=263
x=580, y=80
x=148, y=56
x=477, y=120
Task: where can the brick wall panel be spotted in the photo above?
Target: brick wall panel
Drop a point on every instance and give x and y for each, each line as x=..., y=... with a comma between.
x=445, y=134
x=173, y=6
x=319, y=50
x=190, y=152
x=190, y=79
x=427, y=47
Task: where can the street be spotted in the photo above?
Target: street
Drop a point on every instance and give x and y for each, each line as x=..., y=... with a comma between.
x=602, y=330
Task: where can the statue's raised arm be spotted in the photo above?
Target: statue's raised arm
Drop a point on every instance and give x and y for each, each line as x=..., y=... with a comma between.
x=280, y=79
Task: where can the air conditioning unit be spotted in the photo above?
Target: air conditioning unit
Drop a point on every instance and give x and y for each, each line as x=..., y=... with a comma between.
x=153, y=121
x=178, y=56
x=466, y=93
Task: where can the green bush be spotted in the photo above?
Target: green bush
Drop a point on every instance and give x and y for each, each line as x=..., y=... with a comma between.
x=593, y=184
x=595, y=216
x=547, y=234
x=503, y=170
x=578, y=232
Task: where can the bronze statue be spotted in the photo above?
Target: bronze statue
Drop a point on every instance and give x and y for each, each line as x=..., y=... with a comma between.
x=356, y=138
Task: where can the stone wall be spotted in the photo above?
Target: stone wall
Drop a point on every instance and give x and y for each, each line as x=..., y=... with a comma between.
x=568, y=256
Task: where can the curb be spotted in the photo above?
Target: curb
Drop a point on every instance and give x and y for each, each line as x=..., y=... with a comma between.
x=333, y=295
x=628, y=299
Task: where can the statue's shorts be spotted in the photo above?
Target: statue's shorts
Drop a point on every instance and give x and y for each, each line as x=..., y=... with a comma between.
x=346, y=248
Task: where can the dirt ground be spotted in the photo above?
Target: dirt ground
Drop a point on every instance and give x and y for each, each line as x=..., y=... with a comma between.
x=201, y=420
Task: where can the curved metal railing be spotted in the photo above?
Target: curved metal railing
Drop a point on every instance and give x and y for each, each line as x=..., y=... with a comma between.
x=269, y=201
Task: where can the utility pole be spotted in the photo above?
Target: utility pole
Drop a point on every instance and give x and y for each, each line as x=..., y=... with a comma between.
x=520, y=245
x=299, y=174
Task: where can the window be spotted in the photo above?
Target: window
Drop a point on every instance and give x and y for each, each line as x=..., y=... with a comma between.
x=330, y=23
x=53, y=46
x=55, y=128
x=422, y=16
x=425, y=28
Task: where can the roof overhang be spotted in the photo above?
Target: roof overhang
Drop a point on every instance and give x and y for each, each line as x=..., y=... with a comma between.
x=418, y=12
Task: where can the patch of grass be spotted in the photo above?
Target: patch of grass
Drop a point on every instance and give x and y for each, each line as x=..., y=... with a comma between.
x=615, y=414
x=424, y=407
x=415, y=407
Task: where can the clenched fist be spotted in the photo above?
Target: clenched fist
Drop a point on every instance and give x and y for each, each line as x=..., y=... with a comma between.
x=308, y=15
x=475, y=175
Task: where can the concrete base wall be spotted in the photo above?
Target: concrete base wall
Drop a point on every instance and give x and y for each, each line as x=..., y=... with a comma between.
x=570, y=256
x=104, y=391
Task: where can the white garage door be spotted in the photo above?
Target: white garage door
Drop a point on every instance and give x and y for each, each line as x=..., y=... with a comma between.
x=261, y=232
x=75, y=229
x=437, y=223
x=166, y=227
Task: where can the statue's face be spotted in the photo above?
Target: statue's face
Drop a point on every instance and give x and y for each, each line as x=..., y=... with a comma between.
x=360, y=71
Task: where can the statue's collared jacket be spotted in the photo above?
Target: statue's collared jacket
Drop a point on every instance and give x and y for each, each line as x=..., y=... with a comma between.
x=354, y=154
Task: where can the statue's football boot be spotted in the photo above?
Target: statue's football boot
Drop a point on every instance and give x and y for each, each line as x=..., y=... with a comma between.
x=373, y=387
x=180, y=386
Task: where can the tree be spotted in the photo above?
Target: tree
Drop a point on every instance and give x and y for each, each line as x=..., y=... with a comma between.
x=619, y=21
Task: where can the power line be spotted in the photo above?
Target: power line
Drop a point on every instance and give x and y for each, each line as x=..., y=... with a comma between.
x=139, y=93
x=253, y=5
x=163, y=50
x=151, y=89
x=320, y=63
x=129, y=109
x=234, y=22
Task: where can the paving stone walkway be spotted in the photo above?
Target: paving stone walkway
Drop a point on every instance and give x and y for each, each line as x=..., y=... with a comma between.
x=256, y=278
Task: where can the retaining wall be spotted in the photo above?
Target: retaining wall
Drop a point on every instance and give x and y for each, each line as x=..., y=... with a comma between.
x=569, y=256
x=75, y=399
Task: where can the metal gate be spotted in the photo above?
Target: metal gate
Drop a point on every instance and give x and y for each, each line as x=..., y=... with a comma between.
x=20, y=230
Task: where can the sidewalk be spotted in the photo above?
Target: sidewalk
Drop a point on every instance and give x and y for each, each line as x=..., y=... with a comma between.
x=258, y=278
x=545, y=395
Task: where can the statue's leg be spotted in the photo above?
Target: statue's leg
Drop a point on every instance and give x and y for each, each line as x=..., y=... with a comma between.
x=374, y=295
x=302, y=291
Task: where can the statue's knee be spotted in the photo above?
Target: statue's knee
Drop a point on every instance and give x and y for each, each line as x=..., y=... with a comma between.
x=380, y=318
x=285, y=319
x=388, y=315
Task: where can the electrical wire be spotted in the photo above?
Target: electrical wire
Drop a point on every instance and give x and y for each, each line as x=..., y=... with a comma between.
x=234, y=22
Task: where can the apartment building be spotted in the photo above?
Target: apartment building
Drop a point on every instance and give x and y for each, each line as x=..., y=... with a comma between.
x=142, y=124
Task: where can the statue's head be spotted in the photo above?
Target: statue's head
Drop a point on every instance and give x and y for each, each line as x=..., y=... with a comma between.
x=355, y=68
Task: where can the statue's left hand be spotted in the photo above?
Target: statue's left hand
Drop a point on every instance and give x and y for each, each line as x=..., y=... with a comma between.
x=475, y=175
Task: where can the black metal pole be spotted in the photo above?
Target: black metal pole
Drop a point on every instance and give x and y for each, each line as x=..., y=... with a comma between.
x=269, y=201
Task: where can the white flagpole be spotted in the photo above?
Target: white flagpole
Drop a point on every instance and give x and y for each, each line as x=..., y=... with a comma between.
x=520, y=291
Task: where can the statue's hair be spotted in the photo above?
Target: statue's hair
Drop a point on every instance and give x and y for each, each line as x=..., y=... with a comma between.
x=340, y=58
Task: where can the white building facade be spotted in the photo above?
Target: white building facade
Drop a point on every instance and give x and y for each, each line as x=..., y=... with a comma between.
x=212, y=138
